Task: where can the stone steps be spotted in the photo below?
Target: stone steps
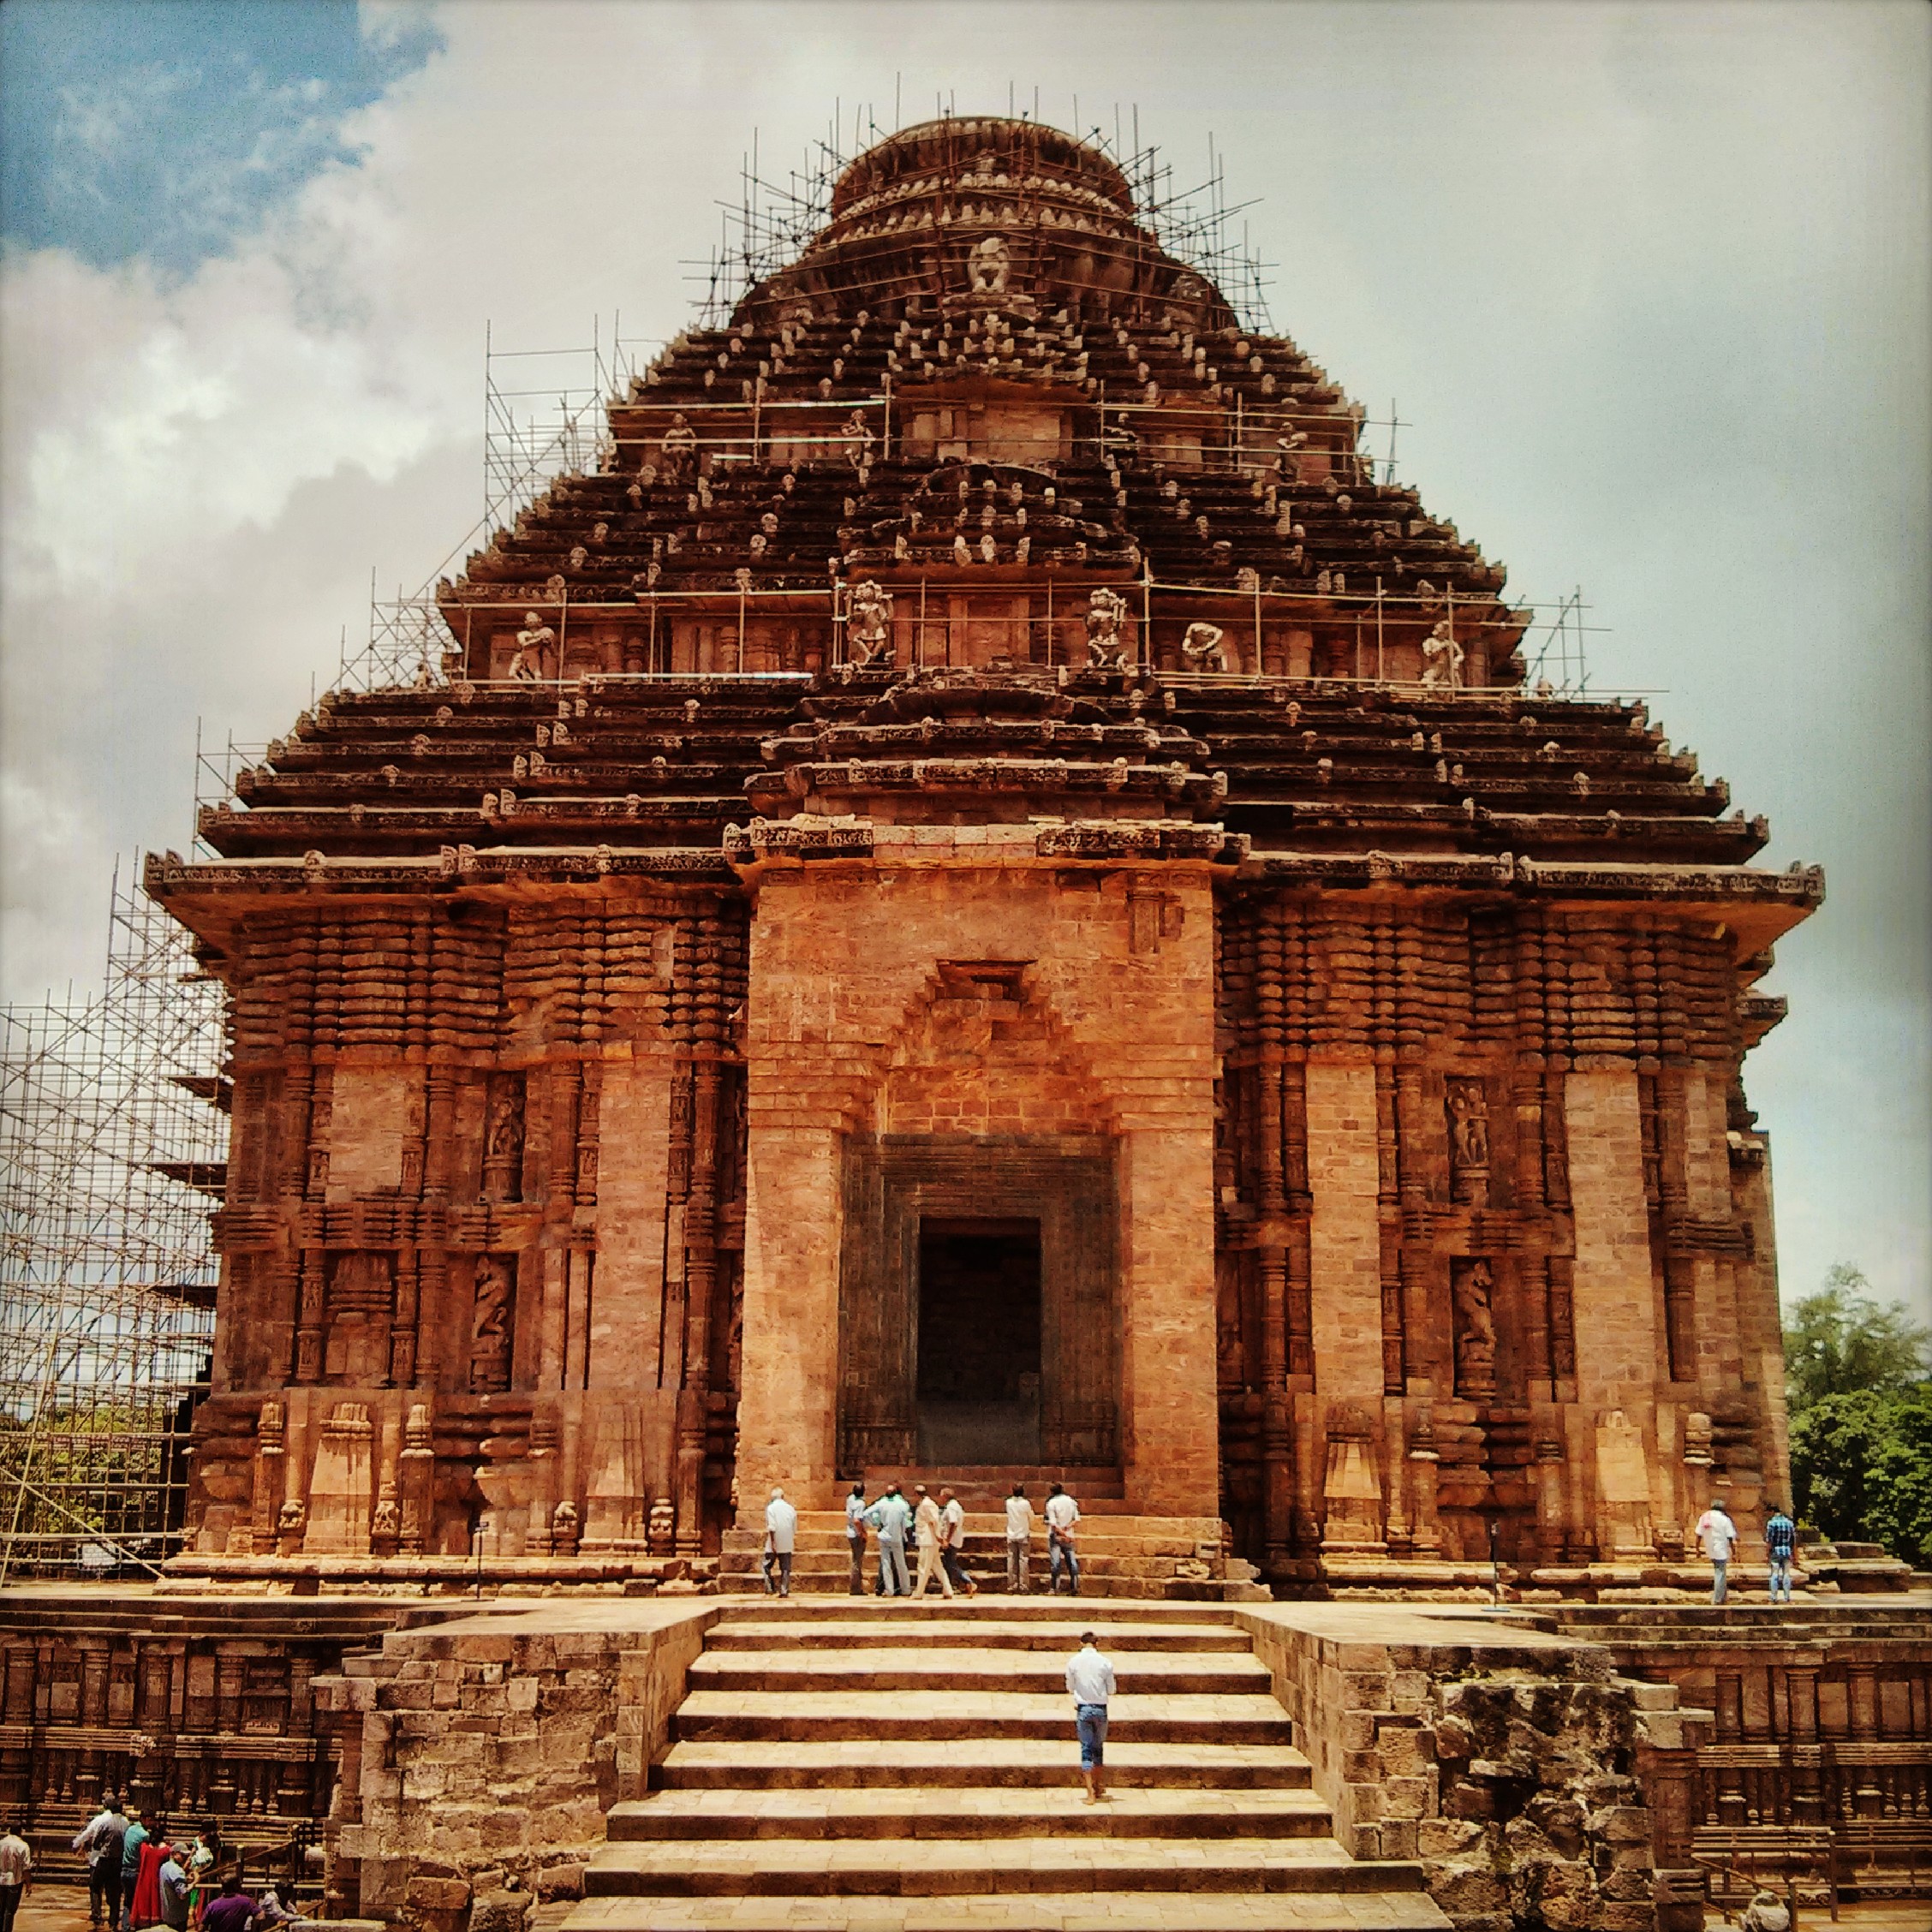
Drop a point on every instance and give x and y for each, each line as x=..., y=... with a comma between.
x=818, y=1868
x=957, y=1667
x=882, y=1765
x=1019, y=1911
x=963, y=1811
x=839, y=1767
x=787, y=1631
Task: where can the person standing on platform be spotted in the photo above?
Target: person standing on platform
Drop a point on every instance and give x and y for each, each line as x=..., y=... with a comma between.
x=17, y=1867
x=101, y=1838
x=1063, y=1513
x=952, y=1542
x=1091, y=1684
x=781, y=1537
x=131, y=1840
x=175, y=1886
x=1781, y=1547
x=925, y=1528
x=890, y=1517
x=1719, y=1535
x=1019, y=1539
x=854, y=1536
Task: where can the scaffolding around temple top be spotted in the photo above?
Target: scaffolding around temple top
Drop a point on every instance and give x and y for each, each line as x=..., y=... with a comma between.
x=774, y=220
x=113, y=1151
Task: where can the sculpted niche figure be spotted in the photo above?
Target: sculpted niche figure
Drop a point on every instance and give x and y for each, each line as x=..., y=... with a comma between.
x=536, y=637
x=1201, y=647
x=489, y=1332
x=868, y=622
x=1442, y=659
x=989, y=265
x=1106, y=611
x=677, y=446
x=1470, y=1285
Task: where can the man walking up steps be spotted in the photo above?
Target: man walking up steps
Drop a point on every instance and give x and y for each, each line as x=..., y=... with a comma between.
x=1091, y=1684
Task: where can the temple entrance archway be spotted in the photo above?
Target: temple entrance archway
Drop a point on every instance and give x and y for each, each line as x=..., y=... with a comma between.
x=977, y=1380
x=979, y=1307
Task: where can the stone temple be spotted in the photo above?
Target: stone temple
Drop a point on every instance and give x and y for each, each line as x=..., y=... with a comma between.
x=983, y=898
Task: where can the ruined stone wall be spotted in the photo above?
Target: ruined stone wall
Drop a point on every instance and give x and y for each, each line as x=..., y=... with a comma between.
x=1504, y=1759
x=1488, y=1244
x=482, y=1232
x=479, y=1760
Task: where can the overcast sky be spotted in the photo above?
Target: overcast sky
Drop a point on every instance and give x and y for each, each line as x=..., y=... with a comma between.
x=1650, y=284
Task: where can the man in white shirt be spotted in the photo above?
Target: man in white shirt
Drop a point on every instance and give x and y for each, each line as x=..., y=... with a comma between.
x=1089, y=1682
x=16, y=1868
x=926, y=1533
x=781, y=1534
x=952, y=1542
x=1019, y=1538
x=1061, y=1514
x=1719, y=1535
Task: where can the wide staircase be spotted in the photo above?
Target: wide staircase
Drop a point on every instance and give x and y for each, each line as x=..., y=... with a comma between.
x=912, y=1768
x=1178, y=1558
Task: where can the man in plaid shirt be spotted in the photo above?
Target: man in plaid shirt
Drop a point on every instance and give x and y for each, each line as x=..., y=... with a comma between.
x=1781, y=1545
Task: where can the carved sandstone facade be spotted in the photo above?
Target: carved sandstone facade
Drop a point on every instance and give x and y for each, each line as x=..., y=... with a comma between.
x=844, y=973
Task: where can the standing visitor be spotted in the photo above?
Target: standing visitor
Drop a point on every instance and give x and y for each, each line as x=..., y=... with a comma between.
x=17, y=1865
x=952, y=1542
x=1089, y=1682
x=132, y=1841
x=1019, y=1539
x=202, y=1856
x=1719, y=1535
x=174, y=1883
x=855, y=1536
x=925, y=1531
x=1061, y=1514
x=889, y=1519
x=230, y=1909
x=781, y=1537
x=145, y=1906
x=1780, y=1546
x=102, y=1839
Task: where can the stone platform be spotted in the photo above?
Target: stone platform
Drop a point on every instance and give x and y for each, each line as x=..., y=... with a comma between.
x=1174, y=1557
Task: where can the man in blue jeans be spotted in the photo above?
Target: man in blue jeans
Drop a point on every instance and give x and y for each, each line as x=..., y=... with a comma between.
x=1089, y=1682
x=1780, y=1545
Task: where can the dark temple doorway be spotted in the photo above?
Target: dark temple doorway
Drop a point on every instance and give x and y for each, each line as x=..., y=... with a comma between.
x=978, y=1381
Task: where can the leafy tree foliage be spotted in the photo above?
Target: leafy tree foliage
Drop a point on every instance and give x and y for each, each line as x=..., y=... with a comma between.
x=1861, y=1408
x=1840, y=1342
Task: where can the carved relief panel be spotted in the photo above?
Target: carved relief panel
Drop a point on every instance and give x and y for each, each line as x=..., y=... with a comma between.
x=1467, y=1104
x=492, y=1324
x=503, y=1139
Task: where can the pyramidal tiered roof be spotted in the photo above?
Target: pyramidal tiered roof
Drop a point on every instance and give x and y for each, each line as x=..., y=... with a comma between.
x=985, y=387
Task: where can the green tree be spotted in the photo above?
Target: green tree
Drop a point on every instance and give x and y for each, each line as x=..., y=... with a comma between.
x=1861, y=1409
x=1840, y=1342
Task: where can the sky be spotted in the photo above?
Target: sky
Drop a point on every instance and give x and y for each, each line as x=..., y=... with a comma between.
x=1647, y=285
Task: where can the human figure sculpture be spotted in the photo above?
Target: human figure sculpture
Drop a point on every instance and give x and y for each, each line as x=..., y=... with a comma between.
x=489, y=1334
x=868, y=622
x=989, y=265
x=505, y=1128
x=677, y=446
x=1106, y=611
x=859, y=440
x=1468, y=1130
x=1201, y=647
x=1442, y=659
x=1475, y=1329
x=526, y=662
x=1288, y=461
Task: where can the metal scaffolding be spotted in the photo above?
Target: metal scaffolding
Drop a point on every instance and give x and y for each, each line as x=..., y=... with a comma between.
x=113, y=1150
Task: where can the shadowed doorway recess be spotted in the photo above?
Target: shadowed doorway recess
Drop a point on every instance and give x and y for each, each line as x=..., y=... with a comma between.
x=978, y=1381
